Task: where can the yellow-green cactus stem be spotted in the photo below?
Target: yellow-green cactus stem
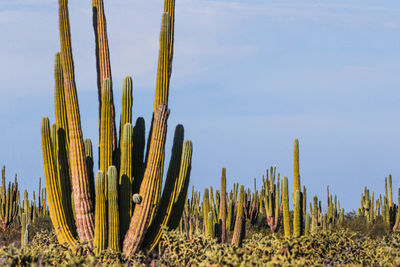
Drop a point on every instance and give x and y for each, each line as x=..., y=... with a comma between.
x=240, y=222
x=59, y=100
x=314, y=221
x=175, y=198
x=304, y=199
x=390, y=192
x=297, y=214
x=285, y=205
x=126, y=106
x=90, y=165
x=307, y=225
x=206, y=208
x=296, y=168
x=103, y=61
x=148, y=190
x=56, y=207
x=163, y=70
x=125, y=178
x=113, y=211
x=183, y=184
x=77, y=160
x=222, y=206
x=210, y=225
x=106, y=147
x=229, y=216
x=397, y=221
x=100, y=233
x=169, y=7
x=138, y=155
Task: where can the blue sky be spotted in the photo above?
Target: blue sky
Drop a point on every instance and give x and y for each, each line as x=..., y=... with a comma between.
x=248, y=78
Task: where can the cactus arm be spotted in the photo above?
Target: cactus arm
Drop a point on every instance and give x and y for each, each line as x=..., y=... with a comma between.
x=297, y=215
x=106, y=146
x=80, y=181
x=57, y=212
x=125, y=178
x=103, y=62
x=222, y=206
x=113, y=211
x=100, y=233
x=142, y=213
x=285, y=203
x=170, y=192
x=296, y=168
x=238, y=232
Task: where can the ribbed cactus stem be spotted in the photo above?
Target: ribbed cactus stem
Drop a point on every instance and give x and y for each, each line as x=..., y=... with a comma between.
x=285, y=204
x=80, y=182
x=238, y=232
x=296, y=168
x=222, y=206
x=56, y=207
x=100, y=233
x=106, y=147
x=125, y=178
x=314, y=221
x=307, y=225
x=90, y=165
x=138, y=155
x=103, y=62
x=391, y=204
x=206, y=208
x=173, y=198
x=297, y=214
x=163, y=70
x=148, y=190
x=126, y=106
x=113, y=211
x=210, y=225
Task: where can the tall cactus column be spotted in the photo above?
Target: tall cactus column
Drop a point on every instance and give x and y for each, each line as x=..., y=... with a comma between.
x=142, y=213
x=296, y=169
x=103, y=61
x=57, y=211
x=106, y=146
x=222, y=206
x=285, y=205
x=80, y=180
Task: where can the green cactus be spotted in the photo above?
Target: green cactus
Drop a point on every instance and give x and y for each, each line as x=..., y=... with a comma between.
x=307, y=225
x=314, y=221
x=285, y=204
x=296, y=168
x=100, y=233
x=106, y=142
x=297, y=215
x=125, y=178
x=222, y=207
x=77, y=160
x=240, y=221
x=113, y=210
